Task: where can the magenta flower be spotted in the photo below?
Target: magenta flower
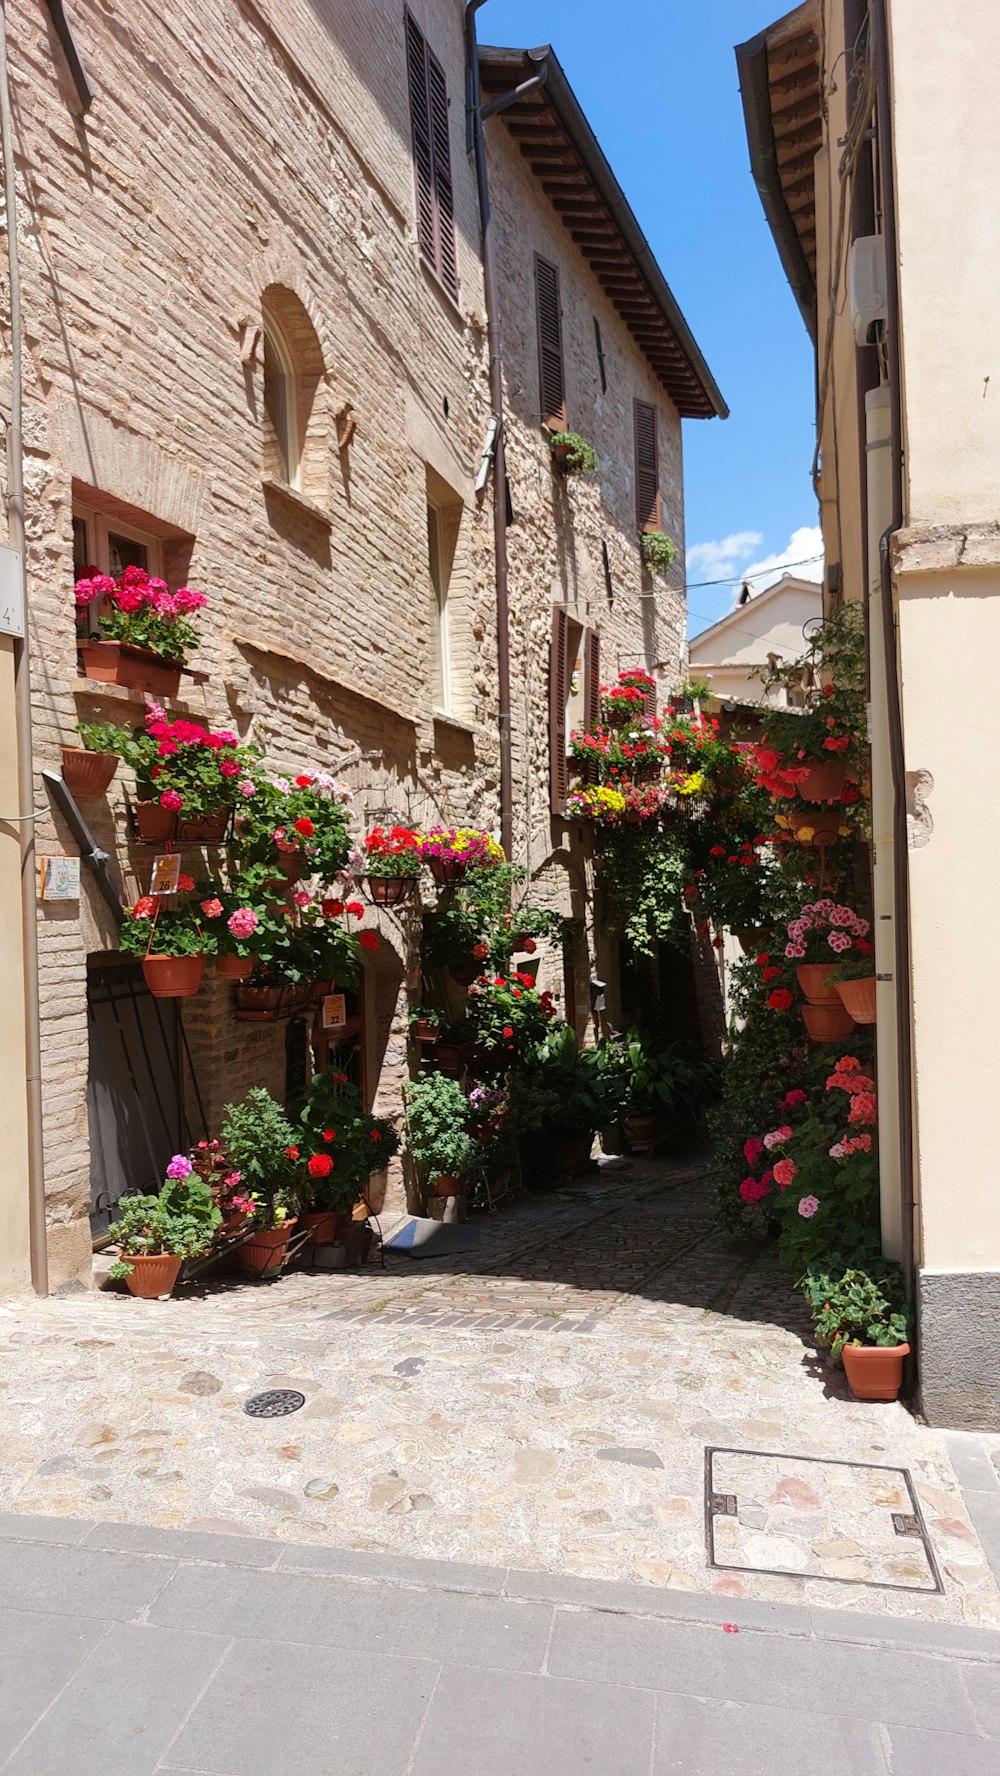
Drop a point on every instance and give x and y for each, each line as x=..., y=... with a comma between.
x=180, y=1167
x=172, y=800
x=243, y=923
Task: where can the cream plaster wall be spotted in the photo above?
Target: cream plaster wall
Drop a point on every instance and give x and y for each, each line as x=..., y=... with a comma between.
x=15, y=1270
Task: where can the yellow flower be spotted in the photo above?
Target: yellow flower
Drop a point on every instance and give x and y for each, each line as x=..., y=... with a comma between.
x=692, y=784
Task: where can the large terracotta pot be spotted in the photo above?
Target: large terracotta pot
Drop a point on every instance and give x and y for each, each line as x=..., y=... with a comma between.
x=207, y=829
x=824, y=782
x=874, y=1372
x=114, y=662
x=154, y=825
x=173, y=977
x=389, y=890
x=87, y=773
x=234, y=968
x=448, y=1185
x=859, y=998
x=814, y=979
x=826, y=1023
x=447, y=869
x=322, y=1224
x=453, y=1057
x=153, y=1274
x=422, y=1030
x=573, y=1152
x=266, y=1250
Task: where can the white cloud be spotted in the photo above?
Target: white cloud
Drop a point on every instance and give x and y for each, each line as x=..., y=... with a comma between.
x=721, y=560
x=802, y=554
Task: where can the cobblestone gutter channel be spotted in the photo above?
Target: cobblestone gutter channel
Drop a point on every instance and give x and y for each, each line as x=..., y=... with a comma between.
x=544, y=1403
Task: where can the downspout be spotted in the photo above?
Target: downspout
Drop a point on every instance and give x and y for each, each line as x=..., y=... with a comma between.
x=894, y=710
x=474, y=112
x=22, y=696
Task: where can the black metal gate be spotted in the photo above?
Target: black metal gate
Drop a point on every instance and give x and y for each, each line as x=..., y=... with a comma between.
x=134, y=1094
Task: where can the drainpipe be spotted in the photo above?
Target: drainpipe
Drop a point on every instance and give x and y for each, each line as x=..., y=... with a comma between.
x=474, y=112
x=893, y=696
x=22, y=696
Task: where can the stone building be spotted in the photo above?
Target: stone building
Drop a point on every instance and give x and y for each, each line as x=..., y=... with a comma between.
x=256, y=360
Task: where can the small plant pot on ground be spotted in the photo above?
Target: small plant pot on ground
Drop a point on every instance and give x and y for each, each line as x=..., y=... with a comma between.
x=824, y=782
x=322, y=1224
x=859, y=998
x=826, y=1023
x=234, y=968
x=173, y=977
x=152, y=1274
x=87, y=773
x=815, y=982
x=448, y=1185
x=265, y=1251
x=874, y=1372
x=114, y=662
x=642, y=1133
x=389, y=891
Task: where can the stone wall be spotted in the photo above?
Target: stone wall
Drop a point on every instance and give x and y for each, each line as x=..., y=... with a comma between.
x=223, y=165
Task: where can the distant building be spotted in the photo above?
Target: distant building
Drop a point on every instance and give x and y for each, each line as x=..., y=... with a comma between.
x=764, y=628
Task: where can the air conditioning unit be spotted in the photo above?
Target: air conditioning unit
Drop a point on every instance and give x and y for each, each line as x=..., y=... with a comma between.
x=867, y=282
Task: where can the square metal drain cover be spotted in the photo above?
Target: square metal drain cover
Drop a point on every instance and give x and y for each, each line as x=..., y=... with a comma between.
x=802, y=1516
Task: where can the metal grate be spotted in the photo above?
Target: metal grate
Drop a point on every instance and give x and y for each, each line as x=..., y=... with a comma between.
x=276, y=1403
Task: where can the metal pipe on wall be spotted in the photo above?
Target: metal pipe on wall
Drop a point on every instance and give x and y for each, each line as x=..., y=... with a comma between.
x=22, y=695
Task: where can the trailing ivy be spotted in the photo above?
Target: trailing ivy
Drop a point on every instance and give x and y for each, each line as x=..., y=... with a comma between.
x=643, y=874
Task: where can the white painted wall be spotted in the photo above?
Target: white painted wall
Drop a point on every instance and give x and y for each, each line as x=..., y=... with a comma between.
x=773, y=622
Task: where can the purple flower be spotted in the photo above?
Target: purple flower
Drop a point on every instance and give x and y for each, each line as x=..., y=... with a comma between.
x=180, y=1167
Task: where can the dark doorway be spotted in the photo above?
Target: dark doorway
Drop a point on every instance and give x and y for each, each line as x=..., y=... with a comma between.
x=133, y=1086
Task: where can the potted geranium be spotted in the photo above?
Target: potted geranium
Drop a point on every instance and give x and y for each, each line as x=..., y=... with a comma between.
x=508, y=1014
x=437, y=1137
x=233, y=921
x=571, y=453
x=863, y=1320
x=188, y=778
x=147, y=629
x=171, y=942
x=260, y=1143
x=623, y=705
x=818, y=752
x=298, y=826
x=659, y=551
x=340, y=1145
x=598, y=803
x=88, y=769
x=854, y=980
x=392, y=863
x=155, y=1234
x=425, y=1024
x=822, y=933
x=451, y=851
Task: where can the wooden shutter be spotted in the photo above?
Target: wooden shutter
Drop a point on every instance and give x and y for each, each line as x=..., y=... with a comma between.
x=435, y=199
x=551, y=380
x=558, y=697
x=647, y=467
x=592, y=689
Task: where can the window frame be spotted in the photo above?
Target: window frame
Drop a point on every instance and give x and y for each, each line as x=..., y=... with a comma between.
x=430, y=151
x=290, y=453
x=443, y=698
x=100, y=526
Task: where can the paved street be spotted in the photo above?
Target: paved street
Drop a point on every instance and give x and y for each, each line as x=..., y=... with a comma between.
x=127, y=1651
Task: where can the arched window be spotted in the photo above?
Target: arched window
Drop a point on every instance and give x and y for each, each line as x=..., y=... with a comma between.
x=281, y=425
x=295, y=418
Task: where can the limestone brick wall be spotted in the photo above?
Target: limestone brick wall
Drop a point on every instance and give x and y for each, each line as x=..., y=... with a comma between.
x=233, y=149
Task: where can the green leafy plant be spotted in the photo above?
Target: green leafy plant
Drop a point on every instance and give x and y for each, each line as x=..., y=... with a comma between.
x=677, y=1080
x=659, y=551
x=99, y=736
x=642, y=870
x=158, y=928
x=340, y=1144
x=856, y=1307
x=394, y=853
x=437, y=1137
x=583, y=1088
x=180, y=1220
x=572, y=453
x=301, y=822
x=508, y=1014
x=260, y=1143
x=854, y=968
x=142, y=612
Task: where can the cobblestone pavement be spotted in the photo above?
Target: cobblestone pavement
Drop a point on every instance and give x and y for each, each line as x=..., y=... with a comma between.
x=545, y=1402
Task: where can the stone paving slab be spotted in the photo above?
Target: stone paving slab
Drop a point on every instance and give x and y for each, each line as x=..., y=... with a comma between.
x=488, y=1441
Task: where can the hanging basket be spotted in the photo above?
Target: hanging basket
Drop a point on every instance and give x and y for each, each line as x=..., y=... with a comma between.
x=859, y=998
x=447, y=869
x=269, y=1004
x=114, y=662
x=206, y=829
x=824, y=781
x=87, y=773
x=826, y=1023
x=173, y=977
x=389, y=891
x=152, y=1274
x=821, y=824
x=753, y=939
x=154, y=825
x=234, y=968
x=814, y=980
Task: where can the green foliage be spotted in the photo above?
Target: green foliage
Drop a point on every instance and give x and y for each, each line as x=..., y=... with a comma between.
x=856, y=1306
x=304, y=820
x=579, y=457
x=853, y=968
x=437, y=1112
x=256, y=1138
x=573, y=1089
x=643, y=874
x=508, y=1014
x=98, y=736
x=175, y=932
x=677, y=1080
x=172, y=638
x=334, y=1127
x=180, y=1220
x=659, y=551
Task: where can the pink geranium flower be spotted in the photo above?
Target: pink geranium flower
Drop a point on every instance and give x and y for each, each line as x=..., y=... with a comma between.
x=243, y=923
x=808, y=1206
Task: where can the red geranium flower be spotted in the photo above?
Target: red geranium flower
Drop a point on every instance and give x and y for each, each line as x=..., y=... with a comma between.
x=771, y=974
x=368, y=940
x=530, y=946
x=329, y=1134
x=481, y=951
x=291, y=1153
x=355, y=908
x=320, y=1165
x=304, y=781
x=507, y=1030
x=185, y=884
x=331, y=909
x=144, y=907
x=780, y=999
x=304, y=827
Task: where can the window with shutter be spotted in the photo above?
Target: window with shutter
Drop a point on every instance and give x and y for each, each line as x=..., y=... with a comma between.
x=551, y=380
x=647, y=468
x=559, y=663
x=435, y=198
x=592, y=689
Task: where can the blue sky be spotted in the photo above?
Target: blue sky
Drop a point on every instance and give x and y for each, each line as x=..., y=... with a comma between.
x=657, y=79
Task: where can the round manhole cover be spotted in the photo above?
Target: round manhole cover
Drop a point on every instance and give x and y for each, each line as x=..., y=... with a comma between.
x=274, y=1404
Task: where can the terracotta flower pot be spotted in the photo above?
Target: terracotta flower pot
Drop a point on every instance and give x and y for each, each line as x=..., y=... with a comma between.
x=87, y=773
x=422, y=1030
x=173, y=977
x=641, y=1132
x=448, y=1185
x=389, y=890
x=874, y=1372
x=114, y=662
x=645, y=770
x=153, y=1274
x=822, y=825
x=814, y=979
x=291, y=864
x=573, y=1151
x=824, y=781
x=154, y=825
x=826, y=1023
x=859, y=998
x=447, y=869
x=452, y=1057
x=322, y=1224
x=266, y=1250
x=206, y=829
x=235, y=968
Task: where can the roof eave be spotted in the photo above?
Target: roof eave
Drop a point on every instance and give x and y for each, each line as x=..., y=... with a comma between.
x=755, y=92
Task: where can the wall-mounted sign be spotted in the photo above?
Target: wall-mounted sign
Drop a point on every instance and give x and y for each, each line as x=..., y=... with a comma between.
x=11, y=593
x=59, y=878
x=334, y=1011
x=166, y=873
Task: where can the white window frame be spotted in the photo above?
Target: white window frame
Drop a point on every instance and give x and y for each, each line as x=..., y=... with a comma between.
x=99, y=525
x=291, y=452
x=444, y=677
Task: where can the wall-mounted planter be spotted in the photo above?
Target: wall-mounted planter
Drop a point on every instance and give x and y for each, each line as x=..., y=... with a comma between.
x=826, y=1023
x=114, y=662
x=389, y=891
x=205, y=829
x=447, y=869
x=824, y=782
x=87, y=773
x=154, y=825
x=814, y=979
x=173, y=977
x=234, y=968
x=859, y=998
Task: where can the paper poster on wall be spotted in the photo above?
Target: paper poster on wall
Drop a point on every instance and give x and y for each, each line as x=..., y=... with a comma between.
x=166, y=873
x=334, y=1011
x=59, y=878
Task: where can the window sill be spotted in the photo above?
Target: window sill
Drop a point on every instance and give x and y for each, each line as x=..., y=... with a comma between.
x=444, y=718
x=299, y=501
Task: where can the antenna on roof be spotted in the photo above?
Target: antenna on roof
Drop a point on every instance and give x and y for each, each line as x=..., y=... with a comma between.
x=746, y=593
